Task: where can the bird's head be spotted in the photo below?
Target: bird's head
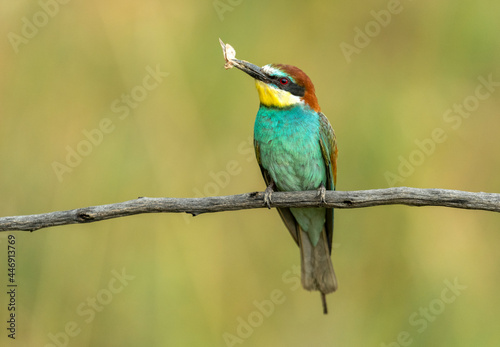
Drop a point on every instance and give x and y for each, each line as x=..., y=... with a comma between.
x=280, y=85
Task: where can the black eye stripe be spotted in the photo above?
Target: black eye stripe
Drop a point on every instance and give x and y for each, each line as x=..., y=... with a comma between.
x=295, y=89
x=289, y=86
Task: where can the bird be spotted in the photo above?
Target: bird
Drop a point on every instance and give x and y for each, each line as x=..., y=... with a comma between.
x=296, y=149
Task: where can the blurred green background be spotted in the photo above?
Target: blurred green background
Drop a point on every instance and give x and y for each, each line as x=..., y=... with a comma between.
x=187, y=281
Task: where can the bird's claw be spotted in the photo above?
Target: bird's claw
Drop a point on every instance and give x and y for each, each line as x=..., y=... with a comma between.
x=267, y=195
x=322, y=194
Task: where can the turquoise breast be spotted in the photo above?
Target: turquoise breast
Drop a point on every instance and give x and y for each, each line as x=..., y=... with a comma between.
x=289, y=147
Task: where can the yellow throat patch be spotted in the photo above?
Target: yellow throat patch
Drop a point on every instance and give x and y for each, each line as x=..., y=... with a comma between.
x=274, y=97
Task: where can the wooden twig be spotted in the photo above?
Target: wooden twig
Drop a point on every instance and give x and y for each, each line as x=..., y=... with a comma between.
x=195, y=206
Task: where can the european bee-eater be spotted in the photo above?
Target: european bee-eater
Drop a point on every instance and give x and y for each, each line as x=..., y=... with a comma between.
x=296, y=149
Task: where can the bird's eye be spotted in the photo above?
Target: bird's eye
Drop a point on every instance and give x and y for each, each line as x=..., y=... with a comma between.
x=284, y=81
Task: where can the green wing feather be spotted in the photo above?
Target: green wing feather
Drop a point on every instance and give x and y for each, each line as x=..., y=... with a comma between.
x=328, y=145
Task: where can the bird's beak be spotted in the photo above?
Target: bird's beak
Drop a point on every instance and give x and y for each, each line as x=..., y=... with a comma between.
x=251, y=69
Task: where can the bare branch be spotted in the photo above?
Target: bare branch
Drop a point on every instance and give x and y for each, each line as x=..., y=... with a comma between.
x=195, y=206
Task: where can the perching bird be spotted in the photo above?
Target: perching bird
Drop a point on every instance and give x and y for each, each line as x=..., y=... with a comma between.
x=296, y=149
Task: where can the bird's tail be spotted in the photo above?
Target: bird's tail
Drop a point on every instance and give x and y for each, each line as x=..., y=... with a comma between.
x=317, y=268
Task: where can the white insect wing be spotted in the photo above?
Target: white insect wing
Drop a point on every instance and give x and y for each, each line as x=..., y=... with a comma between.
x=229, y=54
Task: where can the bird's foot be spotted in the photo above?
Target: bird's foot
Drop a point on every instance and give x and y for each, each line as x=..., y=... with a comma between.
x=268, y=194
x=322, y=194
